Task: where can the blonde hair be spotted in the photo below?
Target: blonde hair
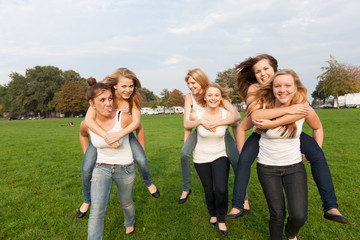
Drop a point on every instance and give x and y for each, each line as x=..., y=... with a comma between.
x=112, y=79
x=200, y=77
x=224, y=94
x=264, y=97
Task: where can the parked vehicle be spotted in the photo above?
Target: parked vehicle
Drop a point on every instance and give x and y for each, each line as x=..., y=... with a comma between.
x=350, y=100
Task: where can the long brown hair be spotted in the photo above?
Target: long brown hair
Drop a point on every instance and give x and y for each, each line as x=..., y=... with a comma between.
x=96, y=89
x=264, y=97
x=112, y=79
x=246, y=74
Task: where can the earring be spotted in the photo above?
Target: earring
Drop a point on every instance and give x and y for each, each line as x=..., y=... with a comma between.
x=115, y=88
x=94, y=107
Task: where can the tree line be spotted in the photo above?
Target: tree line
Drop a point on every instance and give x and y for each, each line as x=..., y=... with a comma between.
x=46, y=89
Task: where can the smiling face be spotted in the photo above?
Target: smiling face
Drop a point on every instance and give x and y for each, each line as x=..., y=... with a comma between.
x=194, y=87
x=284, y=89
x=124, y=88
x=263, y=71
x=103, y=103
x=213, y=97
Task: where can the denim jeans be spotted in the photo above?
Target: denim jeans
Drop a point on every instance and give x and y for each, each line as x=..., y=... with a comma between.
x=214, y=178
x=308, y=146
x=87, y=167
x=293, y=180
x=102, y=181
x=188, y=149
x=90, y=157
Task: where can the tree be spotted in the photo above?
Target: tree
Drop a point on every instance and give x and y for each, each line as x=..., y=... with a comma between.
x=4, y=100
x=335, y=80
x=227, y=79
x=71, y=98
x=45, y=82
x=178, y=97
x=166, y=99
x=147, y=97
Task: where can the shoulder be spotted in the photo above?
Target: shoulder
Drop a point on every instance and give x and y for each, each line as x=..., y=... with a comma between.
x=188, y=97
x=126, y=119
x=253, y=88
x=84, y=130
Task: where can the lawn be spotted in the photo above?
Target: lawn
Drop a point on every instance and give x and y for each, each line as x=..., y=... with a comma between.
x=40, y=185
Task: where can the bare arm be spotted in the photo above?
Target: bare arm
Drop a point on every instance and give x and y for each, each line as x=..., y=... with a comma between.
x=92, y=124
x=281, y=121
x=84, y=136
x=187, y=133
x=314, y=122
x=188, y=123
x=240, y=134
x=278, y=112
x=232, y=117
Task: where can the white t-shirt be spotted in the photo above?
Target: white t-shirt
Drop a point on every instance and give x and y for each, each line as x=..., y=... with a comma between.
x=276, y=150
x=105, y=154
x=210, y=145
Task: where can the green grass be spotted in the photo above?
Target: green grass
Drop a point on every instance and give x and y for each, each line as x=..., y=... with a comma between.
x=40, y=185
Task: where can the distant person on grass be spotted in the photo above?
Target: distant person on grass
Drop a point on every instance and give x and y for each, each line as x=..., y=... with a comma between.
x=252, y=74
x=197, y=82
x=210, y=157
x=124, y=83
x=112, y=164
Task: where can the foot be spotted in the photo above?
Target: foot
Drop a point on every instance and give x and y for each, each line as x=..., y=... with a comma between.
x=130, y=230
x=154, y=191
x=295, y=238
x=234, y=214
x=246, y=207
x=335, y=215
x=213, y=221
x=83, y=210
x=222, y=229
x=184, y=196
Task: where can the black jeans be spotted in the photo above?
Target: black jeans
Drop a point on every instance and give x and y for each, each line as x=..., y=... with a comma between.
x=293, y=180
x=308, y=146
x=214, y=178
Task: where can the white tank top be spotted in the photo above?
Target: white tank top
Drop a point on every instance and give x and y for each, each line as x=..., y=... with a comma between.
x=194, y=105
x=210, y=145
x=276, y=150
x=105, y=154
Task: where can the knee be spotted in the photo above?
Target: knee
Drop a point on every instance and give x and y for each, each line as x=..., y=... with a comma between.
x=97, y=211
x=299, y=219
x=278, y=217
x=317, y=157
x=185, y=155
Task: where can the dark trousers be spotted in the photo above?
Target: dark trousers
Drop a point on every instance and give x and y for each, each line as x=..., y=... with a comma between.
x=214, y=178
x=293, y=180
x=308, y=146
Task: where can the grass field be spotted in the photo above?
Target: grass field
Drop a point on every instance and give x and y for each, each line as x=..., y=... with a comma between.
x=40, y=185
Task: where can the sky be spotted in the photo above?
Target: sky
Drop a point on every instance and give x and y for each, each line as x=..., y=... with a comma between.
x=160, y=40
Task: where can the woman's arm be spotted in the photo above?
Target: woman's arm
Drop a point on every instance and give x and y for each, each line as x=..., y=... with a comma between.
x=240, y=133
x=187, y=133
x=232, y=117
x=312, y=119
x=278, y=112
x=84, y=136
x=92, y=124
x=281, y=121
x=188, y=123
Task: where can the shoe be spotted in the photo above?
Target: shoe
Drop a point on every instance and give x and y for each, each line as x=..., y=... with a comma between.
x=213, y=223
x=156, y=194
x=246, y=211
x=80, y=214
x=335, y=217
x=223, y=232
x=235, y=216
x=183, y=200
x=130, y=232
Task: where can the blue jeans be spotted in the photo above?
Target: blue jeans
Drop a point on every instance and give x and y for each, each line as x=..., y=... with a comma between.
x=214, y=178
x=102, y=181
x=188, y=149
x=308, y=146
x=293, y=180
x=90, y=157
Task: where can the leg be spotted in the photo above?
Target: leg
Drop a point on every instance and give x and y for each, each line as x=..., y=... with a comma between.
x=242, y=174
x=141, y=160
x=231, y=150
x=295, y=185
x=204, y=171
x=220, y=175
x=185, y=158
x=100, y=192
x=320, y=170
x=87, y=167
x=125, y=179
x=271, y=183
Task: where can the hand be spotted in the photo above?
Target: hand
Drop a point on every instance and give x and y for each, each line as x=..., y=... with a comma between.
x=111, y=138
x=114, y=145
x=304, y=158
x=261, y=123
x=208, y=125
x=300, y=109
